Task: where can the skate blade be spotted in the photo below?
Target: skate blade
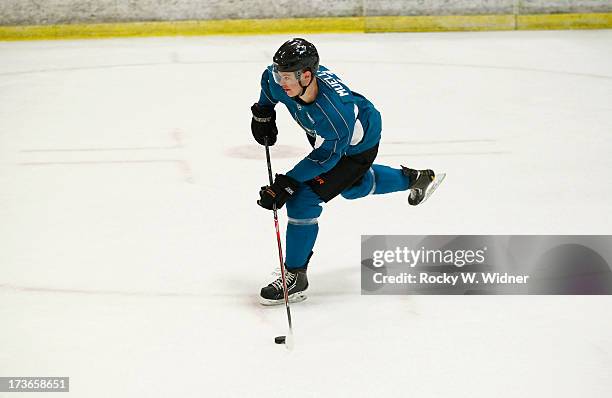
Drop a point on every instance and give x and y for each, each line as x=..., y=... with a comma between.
x=293, y=298
x=432, y=187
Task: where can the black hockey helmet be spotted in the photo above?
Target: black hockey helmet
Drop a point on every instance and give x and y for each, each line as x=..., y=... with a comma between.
x=296, y=55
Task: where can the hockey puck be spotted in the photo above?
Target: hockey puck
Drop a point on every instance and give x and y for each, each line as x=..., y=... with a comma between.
x=280, y=339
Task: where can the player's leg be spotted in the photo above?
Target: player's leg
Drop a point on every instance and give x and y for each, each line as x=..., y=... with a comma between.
x=303, y=210
x=381, y=179
x=378, y=180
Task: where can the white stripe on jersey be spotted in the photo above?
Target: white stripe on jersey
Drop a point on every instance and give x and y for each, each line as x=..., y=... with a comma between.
x=358, y=132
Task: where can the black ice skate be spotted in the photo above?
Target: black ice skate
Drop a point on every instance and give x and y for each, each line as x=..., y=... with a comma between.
x=297, y=283
x=422, y=184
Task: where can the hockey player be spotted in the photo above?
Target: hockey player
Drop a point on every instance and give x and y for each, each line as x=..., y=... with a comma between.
x=344, y=129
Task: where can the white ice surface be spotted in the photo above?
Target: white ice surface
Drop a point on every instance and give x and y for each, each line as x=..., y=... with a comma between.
x=132, y=250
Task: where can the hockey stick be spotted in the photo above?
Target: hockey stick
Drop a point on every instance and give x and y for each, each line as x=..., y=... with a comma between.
x=288, y=340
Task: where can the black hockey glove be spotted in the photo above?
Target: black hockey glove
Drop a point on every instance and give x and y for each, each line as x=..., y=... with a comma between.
x=279, y=192
x=263, y=124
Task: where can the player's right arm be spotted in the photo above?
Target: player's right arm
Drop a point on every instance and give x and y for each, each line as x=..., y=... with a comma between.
x=263, y=123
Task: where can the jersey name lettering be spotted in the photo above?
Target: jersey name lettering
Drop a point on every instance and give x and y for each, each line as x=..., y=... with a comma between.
x=328, y=77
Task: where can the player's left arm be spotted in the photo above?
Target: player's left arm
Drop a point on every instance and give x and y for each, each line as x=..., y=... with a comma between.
x=263, y=122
